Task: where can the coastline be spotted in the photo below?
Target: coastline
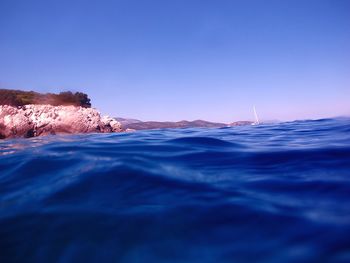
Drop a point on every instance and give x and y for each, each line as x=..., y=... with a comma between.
x=42, y=119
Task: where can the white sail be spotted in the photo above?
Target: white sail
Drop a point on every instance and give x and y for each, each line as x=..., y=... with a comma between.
x=256, y=117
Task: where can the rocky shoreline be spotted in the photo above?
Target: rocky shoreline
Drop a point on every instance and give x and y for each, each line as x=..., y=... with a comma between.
x=38, y=120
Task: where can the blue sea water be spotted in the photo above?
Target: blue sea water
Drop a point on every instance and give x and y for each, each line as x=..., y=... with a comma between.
x=267, y=193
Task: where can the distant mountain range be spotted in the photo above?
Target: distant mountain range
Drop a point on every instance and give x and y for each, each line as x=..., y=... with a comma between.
x=135, y=124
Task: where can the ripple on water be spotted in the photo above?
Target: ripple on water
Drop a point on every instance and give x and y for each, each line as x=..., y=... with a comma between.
x=268, y=193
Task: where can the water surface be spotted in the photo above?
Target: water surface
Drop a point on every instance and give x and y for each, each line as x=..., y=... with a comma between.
x=267, y=193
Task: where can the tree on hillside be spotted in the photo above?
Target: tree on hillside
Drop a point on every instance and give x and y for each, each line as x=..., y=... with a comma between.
x=20, y=98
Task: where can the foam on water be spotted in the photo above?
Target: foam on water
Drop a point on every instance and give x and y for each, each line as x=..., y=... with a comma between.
x=267, y=193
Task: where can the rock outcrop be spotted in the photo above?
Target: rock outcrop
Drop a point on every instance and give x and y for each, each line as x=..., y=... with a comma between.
x=37, y=120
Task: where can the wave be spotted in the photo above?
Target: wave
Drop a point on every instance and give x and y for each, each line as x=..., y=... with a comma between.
x=267, y=193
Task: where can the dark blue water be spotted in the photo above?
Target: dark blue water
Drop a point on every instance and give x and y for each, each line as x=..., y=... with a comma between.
x=268, y=193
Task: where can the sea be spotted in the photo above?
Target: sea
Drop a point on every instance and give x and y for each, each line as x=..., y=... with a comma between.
x=264, y=193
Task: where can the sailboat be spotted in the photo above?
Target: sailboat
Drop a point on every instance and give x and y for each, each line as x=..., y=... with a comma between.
x=256, y=117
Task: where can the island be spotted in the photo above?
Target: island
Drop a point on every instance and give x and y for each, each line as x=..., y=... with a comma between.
x=30, y=114
x=134, y=124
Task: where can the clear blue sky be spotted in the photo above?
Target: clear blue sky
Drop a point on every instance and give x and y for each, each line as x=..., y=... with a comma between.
x=183, y=59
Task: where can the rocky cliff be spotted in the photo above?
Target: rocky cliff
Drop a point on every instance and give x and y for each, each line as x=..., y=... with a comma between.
x=37, y=120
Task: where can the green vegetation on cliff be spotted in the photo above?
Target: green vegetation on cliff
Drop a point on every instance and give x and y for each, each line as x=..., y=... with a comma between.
x=20, y=98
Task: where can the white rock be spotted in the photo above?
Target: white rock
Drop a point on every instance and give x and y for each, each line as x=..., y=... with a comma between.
x=36, y=120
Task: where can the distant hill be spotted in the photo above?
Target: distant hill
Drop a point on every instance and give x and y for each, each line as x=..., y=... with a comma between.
x=149, y=125
x=241, y=123
x=20, y=98
x=125, y=121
